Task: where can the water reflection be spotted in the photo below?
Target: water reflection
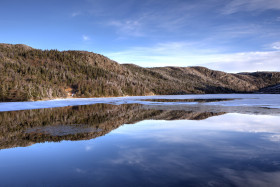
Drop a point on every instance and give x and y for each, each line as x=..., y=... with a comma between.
x=205, y=153
x=142, y=147
x=24, y=128
x=191, y=100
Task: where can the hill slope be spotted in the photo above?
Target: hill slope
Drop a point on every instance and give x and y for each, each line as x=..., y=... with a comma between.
x=32, y=74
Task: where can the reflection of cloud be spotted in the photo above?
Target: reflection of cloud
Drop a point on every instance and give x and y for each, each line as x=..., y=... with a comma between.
x=207, y=158
x=151, y=163
x=246, y=123
x=252, y=178
x=78, y=170
x=198, y=152
x=273, y=137
x=130, y=156
x=228, y=122
x=195, y=132
x=88, y=148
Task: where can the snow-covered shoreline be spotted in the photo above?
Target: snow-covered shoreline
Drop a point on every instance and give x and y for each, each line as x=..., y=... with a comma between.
x=248, y=100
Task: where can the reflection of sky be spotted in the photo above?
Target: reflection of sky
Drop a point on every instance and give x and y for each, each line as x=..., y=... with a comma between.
x=227, y=122
x=231, y=149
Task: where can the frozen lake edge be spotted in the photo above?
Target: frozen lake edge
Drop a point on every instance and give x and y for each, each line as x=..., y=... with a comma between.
x=246, y=101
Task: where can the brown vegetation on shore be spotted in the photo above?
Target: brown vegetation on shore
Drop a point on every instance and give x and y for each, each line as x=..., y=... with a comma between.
x=32, y=74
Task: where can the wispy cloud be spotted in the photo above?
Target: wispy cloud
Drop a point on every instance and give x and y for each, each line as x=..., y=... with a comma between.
x=191, y=53
x=251, y=5
x=75, y=14
x=188, y=33
x=86, y=38
x=166, y=17
x=128, y=27
x=275, y=45
x=240, y=29
x=161, y=54
x=247, y=61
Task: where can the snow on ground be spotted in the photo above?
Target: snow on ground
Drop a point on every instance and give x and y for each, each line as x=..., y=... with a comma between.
x=246, y=100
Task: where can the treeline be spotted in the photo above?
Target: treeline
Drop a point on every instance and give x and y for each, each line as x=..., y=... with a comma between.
x=32, y=74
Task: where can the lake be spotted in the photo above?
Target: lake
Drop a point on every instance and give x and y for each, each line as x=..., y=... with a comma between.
x=188, y=140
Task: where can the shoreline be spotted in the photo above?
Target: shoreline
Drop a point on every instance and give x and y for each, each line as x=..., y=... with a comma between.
x=65, y=98
x=241, y=100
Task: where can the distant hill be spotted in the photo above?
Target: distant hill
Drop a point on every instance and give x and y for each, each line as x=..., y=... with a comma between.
x=32, y=74
x=271, y=89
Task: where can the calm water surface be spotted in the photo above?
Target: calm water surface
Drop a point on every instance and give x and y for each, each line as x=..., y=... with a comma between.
x=137, y=145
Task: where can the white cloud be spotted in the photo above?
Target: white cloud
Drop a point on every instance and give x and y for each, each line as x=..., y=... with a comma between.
x=240, y=30
x=247, y=61
x=251, y=5
x=192, y=54
x=128, y=27
x=86, y=38
x=165, y=16
x=276, y=45
x=75, y=14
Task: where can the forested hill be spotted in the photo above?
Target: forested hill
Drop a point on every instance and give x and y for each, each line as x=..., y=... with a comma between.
x=32, y=74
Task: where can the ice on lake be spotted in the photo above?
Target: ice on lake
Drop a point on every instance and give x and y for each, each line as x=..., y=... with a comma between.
x=247, y=100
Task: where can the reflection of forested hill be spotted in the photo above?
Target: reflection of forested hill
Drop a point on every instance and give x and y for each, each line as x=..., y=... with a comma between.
x=180, y=115
x=24, y=128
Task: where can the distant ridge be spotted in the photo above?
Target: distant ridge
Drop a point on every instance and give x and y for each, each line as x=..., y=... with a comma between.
x=270, y=89
x=21, y=46
x=32, y=74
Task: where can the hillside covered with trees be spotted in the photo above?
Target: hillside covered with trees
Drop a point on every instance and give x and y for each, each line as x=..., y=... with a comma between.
x=33, y=74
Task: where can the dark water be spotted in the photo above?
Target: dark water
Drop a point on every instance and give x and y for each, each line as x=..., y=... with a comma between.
x=132, y=145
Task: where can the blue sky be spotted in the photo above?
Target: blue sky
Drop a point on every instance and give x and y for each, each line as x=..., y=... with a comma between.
x=227, y=35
